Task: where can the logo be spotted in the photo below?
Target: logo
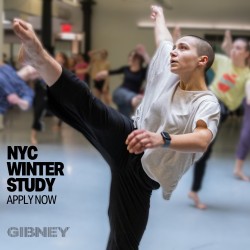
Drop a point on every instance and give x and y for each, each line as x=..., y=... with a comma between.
x=37, y=232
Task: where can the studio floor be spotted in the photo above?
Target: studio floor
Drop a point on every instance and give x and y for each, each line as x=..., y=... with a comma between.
x=82, y=197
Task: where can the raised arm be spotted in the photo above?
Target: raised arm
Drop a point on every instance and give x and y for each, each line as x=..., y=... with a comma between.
x=141, y=50
x=227, y=43
x=176, y=34
x=96, y=52
x=32, y=53
x=160, y=28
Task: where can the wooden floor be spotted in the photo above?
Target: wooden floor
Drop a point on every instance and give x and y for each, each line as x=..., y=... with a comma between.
x=82, y=197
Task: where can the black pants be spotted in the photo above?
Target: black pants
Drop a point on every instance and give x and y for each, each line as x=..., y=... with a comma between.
x=107, y=130
x=39, y=105
x=200, y=165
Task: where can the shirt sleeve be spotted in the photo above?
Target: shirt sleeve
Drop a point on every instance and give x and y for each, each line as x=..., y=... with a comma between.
x=209, y=112
x=161, y=58
x=5, y=87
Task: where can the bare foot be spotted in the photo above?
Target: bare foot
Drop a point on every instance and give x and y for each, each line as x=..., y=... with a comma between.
x=32, y=53
x=33, y=140
x=31, y=46
x=240, y=175
x=194, y=196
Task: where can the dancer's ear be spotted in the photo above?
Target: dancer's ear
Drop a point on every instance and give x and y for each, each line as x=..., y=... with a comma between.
x=203, y=61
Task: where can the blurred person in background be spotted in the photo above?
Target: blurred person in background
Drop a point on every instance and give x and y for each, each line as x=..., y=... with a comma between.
x=63, y=60
x=243, y=146
x=40, y=103
x=72, y=63
x=99, y=62
x=129, y=94
x=14, y=89
x=81, y=66
x=231, y=78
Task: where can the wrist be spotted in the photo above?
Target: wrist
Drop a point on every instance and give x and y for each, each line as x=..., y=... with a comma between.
x=166, y=139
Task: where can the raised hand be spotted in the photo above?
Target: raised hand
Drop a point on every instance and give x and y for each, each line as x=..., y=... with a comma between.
x=161, y=31
x=156, y=11
x=176, y=34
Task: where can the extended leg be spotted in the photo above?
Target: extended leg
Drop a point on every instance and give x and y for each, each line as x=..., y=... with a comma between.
x=129, y=206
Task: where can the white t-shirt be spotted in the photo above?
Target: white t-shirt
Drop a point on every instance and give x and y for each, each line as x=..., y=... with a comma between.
x=166, y=107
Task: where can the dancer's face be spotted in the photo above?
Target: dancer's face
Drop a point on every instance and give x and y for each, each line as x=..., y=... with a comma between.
x=135, y=59
x=184, y=56
x=239, y=50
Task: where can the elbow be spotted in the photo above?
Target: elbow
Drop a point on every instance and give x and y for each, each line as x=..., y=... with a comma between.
x=204, y=146
x=203, y=140
x=203, y=149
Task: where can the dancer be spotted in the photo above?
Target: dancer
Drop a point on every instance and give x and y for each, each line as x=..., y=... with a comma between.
x=231, y=76
x=39, y=109
x=141, y=154
x=40, y=102
x=14, y=89
x=81, y=66
x=243, y=146
x=63, y=60
x=128, y=95
x=99, y=62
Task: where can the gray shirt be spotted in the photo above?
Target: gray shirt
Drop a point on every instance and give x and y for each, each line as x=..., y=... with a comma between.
x=166, y=107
